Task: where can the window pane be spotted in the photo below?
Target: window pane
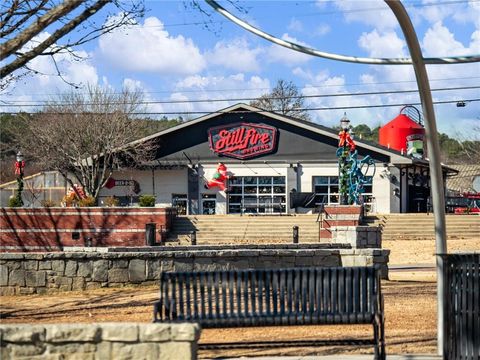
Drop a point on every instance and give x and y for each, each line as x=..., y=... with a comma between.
x=279, y=180
x=250, y=180
x=265, y=180
x=334, y=189
x=279, y=189
x=234, y=209
x=333, y=179
x=236, y=180
x=320, y=180
x=236, y=190
x=333, y=199
x=250, y=189
x=265, y=189
x=321, y=189
x=235, y=199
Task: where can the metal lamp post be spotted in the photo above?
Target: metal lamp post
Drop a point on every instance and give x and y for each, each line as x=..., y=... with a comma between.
x=19, y=166
x=342, y=161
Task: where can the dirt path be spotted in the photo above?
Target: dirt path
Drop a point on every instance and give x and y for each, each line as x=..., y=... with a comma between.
x=409, y=313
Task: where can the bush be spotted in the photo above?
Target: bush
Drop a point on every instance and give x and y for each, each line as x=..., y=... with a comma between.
x=146, y=200
x=14, y=202
x=48, y=203
x=87, y=202
x=111, y=201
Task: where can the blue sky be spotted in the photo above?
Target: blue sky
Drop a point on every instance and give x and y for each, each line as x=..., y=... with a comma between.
x=179, y=53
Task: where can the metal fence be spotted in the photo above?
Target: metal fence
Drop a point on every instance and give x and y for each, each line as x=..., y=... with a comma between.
x=462, y=306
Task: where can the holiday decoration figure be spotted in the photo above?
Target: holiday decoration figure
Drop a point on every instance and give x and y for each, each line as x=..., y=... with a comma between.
x=219, y=178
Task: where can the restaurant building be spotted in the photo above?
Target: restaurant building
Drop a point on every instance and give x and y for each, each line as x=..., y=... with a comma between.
x=274, y=164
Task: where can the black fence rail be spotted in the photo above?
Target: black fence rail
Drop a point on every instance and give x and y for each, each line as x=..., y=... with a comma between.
x=298, y=296
x=462, y=306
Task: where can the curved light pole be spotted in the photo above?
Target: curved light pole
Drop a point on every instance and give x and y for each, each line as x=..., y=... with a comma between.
x=418, y=61
x=346, y=58
x=436, y=179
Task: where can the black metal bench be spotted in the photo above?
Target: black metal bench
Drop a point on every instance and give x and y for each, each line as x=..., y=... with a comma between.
x=298, y=296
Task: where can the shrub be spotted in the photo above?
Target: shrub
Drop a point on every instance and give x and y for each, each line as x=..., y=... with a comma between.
x=146, y=200
x=14, y=202
x=48, y=203
x=111, y=201
x=87, y=202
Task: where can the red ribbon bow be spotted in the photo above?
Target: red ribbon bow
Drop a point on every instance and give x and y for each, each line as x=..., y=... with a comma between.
x=19, y=165
x=345, y=138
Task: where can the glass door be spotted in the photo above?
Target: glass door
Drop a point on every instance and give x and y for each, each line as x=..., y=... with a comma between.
x=208, y=204
x=257, y=195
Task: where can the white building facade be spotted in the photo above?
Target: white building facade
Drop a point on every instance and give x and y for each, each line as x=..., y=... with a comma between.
x=275, y=164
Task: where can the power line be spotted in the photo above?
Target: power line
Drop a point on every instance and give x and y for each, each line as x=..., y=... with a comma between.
x=259, y=89
x=321, y=13
x=349, y=107
x=149, y=102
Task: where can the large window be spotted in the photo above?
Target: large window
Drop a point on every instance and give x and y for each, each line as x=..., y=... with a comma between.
x=326, y=190
x=257, y=194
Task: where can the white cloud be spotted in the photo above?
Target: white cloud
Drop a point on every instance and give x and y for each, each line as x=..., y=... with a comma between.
x=295, y=25
x=198, y=87
x=44, y=83
x=150, y=48
x=372, y=13
x=280, y=54
x=439, y=41
x=386, y=44
x=322, y=29
x=236, y=55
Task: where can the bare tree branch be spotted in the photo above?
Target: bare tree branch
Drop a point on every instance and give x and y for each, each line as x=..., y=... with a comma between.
x=85, y=137
x=58, y=16
x=9, y=47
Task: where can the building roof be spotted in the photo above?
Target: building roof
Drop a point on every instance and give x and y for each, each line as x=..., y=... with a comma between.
x=395, y=157
x=464, y=180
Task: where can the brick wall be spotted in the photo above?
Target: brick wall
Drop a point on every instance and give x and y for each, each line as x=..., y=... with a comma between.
x=40, y=273
x=99, y=341
x=51, y=229
x=339, y=215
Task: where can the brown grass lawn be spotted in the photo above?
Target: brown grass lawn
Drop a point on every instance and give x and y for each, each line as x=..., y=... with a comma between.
x=410, y=310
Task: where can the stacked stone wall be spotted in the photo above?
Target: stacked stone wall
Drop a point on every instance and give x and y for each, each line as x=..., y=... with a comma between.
x=99, y=341
x=40, y=273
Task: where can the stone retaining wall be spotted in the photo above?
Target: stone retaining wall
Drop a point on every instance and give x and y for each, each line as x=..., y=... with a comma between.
x=99, y=341
x=40, y=273
x=51, y=229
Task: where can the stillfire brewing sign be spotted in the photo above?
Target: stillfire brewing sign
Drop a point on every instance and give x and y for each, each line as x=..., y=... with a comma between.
x=242, y=140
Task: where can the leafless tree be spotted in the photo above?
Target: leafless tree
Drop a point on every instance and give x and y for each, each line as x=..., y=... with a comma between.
x=285, y=99
x=22, y=20
x=86, y=136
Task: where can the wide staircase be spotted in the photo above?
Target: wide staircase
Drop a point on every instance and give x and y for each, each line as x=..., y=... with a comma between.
x=420, y=226
x=235, y=229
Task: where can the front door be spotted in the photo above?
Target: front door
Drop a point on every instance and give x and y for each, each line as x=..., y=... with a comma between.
x=208, y=204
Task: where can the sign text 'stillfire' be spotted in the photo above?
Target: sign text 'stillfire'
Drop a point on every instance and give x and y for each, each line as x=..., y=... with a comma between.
x=243, y=140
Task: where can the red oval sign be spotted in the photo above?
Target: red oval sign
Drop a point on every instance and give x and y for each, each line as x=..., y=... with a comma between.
x=242, y=140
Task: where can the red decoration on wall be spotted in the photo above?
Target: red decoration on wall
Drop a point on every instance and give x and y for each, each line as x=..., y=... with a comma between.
x=243, y=140
x=219, y=178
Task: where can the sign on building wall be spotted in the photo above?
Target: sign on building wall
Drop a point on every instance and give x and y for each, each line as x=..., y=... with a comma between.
x=243, y=140
x=134, y=185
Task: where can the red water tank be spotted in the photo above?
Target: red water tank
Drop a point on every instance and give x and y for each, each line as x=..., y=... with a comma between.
x=394, y=134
